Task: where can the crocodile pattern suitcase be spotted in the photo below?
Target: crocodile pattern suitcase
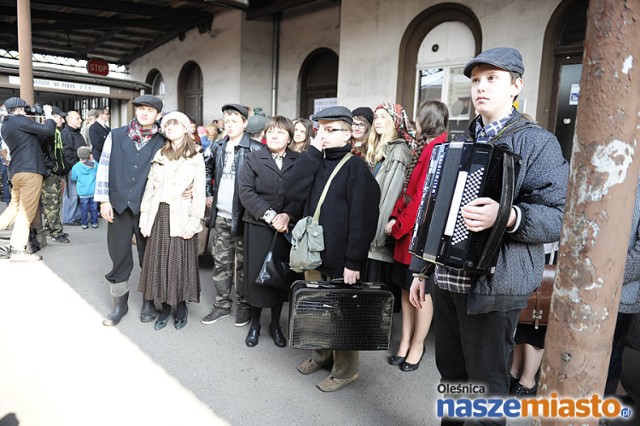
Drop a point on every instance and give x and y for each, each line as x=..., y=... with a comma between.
x=329, y=315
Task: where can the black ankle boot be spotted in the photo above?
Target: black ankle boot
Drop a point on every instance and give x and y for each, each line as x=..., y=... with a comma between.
x=120, y=309
x=252, y=336
x=148, y=313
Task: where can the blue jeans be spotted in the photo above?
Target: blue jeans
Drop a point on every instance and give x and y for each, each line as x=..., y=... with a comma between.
x=70, y=208
x=88, y=206
x=5, y=182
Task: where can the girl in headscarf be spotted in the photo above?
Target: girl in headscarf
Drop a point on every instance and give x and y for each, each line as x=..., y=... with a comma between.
x=389, y=155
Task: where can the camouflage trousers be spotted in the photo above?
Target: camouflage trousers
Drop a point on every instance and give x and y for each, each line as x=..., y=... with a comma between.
x=51, y=203
x=228, y=257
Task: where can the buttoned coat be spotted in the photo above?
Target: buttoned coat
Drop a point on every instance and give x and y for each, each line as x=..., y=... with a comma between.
x=167, y=181
x=260, y=187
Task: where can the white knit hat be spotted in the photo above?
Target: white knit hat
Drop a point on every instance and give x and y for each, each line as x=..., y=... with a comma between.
x=179, y=117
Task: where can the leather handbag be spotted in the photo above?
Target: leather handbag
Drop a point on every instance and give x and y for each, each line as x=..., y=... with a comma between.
x=539, y=303
x=307, y=237
x=338, y=316
x=273, y=272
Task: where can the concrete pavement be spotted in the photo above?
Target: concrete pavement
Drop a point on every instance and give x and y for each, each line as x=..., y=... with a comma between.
x=60, y=366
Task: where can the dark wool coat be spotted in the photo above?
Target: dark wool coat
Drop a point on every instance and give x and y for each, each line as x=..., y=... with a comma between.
x=26, y=140
x=350, y=211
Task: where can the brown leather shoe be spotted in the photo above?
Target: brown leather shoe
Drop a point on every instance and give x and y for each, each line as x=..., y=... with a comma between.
x=309, y=366
x=332, y=384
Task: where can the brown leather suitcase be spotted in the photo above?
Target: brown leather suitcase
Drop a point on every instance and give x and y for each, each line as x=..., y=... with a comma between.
x=539, y=303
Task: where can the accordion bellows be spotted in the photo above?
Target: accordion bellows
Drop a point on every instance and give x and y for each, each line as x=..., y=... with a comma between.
x=324, y=315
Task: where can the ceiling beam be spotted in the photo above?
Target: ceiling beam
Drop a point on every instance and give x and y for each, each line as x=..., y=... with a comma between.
x=131, y=8
x=275, y=7
x=153, y=45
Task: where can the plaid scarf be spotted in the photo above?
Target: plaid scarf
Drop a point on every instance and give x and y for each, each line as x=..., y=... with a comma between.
x=139, y=135
x=400, y=121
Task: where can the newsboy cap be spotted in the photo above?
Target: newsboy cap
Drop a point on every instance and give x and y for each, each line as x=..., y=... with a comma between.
x=57, y=111
x=149, y=100
x=15, y=102
x=255, y=124
x=507, y=58
x=334, y=113
x=365, y=112
x=237, y=107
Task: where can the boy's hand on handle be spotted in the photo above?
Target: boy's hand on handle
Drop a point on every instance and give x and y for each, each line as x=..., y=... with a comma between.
x=350, y=276
x=480, y=214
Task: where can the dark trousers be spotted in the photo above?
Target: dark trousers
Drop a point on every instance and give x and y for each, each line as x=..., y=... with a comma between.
x=473, y=348
x=623, y=322
x=119, y=236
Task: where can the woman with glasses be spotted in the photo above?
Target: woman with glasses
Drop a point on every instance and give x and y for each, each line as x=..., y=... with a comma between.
x=362, y=121
x=268, y=211
x=302, y=134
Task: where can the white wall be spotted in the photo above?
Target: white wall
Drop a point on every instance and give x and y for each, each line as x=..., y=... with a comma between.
x=299, y=36
x=372, y=31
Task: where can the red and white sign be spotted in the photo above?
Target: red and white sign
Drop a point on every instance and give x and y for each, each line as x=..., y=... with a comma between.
x=97, y=66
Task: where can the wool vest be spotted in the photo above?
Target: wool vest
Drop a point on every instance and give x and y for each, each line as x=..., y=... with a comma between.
x=128, y=169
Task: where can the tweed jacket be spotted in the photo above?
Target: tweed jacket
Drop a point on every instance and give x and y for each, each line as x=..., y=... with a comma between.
x=630, y=296
x=167, y=180
x=261, y=187
x=390, y=177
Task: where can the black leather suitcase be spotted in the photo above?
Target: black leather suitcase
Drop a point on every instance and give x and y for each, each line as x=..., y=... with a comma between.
x=330, y=315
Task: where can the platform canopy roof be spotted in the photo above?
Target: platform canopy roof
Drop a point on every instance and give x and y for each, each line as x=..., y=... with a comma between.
x=119, y=31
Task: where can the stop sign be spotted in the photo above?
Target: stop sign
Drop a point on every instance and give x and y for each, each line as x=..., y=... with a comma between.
x=97, y=66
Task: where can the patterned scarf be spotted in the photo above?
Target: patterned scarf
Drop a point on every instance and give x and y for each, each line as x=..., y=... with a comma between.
x=139, y=135
x=400, y=121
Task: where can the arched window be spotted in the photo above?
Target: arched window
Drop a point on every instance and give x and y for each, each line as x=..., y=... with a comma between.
x=190, y=91
x=155, y=80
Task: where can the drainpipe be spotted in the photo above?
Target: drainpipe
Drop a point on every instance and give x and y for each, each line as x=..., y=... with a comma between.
x=274, y=61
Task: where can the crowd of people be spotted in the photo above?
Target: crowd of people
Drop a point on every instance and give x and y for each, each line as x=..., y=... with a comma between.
x=158, y=177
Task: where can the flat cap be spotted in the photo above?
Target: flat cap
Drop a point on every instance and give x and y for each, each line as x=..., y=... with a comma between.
x=237, y=107
x=149, y=100
x=57, y=111
x=507, y=58
x=15, y=102
x=334, y=113
x=255, y=124
x=365, y=112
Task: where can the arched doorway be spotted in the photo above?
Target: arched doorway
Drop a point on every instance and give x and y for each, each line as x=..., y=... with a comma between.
x=190, y=91
x=318, y=79
x=561, y=69
x=413, y=43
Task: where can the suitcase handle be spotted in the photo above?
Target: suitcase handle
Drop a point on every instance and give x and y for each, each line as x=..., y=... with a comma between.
x=339, y=283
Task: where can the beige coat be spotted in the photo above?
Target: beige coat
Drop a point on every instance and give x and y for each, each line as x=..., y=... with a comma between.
x=166, y=182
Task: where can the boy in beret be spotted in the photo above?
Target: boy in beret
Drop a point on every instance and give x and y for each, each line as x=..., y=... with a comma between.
x=476, y=316
x=223, y=168
x=348, y=216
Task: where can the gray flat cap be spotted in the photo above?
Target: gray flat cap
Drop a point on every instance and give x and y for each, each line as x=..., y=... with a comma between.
x=149, y=100
x=334, y=113
x=57, y=111
x=255, y=124
x=507, y=58
x=15, y=102
x=237, y=107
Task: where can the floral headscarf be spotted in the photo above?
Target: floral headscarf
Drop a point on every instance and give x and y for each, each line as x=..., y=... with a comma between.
x=400, y=121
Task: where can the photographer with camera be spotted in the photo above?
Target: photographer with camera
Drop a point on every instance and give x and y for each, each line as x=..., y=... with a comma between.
x=26, y=140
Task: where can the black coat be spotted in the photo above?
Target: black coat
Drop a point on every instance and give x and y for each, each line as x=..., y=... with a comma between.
x=261, y=187
x=26, y=140
x=97, y=134
x=71, y=140
x=214, y=166
x=350, y=211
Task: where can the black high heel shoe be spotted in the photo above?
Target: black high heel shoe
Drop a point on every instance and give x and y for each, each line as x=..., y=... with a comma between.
x=407, y=367
x=396, y=360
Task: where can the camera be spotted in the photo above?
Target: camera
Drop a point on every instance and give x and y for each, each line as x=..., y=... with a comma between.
x=36, y=109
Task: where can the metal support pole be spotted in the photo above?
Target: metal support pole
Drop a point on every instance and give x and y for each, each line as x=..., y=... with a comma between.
x=25, y=51
x=600, y=199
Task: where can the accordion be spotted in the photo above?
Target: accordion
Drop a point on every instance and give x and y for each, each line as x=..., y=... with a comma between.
x=460, y=172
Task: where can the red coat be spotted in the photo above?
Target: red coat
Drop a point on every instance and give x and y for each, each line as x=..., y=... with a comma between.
x=405, y=212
